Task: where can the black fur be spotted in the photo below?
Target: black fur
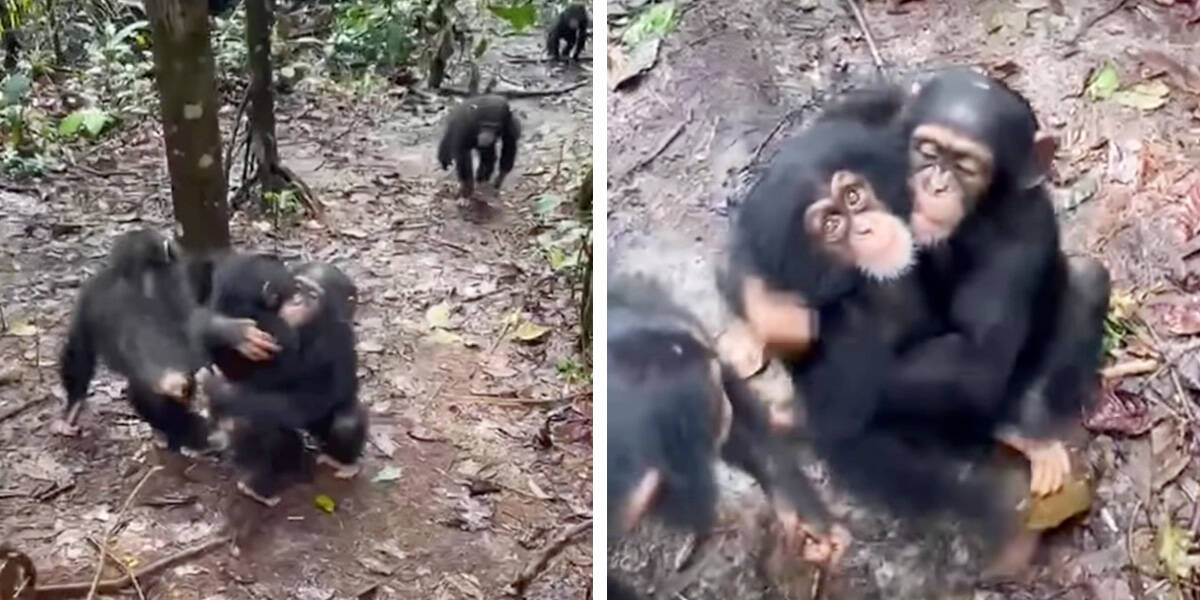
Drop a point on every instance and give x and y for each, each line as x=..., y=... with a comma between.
x=460, y=140
x=310, y=385
x=132, y=314
x=561, y=31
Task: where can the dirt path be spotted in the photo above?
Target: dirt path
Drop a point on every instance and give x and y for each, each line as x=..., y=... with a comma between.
x=1126, y=183
x=480, y=448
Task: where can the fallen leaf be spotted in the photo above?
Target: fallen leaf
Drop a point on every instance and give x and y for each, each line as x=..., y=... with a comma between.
x=1119, y=411
x=537, y=491
x=445, y=338
x=325, y=503
x=357, y=234
x=530, y=332
x=438, y=315
x=23, y=329
x=1146, y=96
x=370, y=347
x=1104, y=82
x=1051, y=511
x=386, y=474
x=1173, y=545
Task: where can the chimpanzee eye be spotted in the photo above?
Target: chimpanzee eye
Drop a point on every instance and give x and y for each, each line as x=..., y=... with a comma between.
x=854, y=199
x=833, y=226
x=967, y=166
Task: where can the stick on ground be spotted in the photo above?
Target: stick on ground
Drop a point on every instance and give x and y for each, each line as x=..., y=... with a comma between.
x=534, y=568
x=109, y=586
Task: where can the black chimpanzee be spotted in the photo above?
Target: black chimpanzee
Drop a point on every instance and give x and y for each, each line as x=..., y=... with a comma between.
x=1023, y=348
x=310, y=385
x=477, y=125
x=139, y=316
x=673, y=410
x=827, y=222
x=571, y=26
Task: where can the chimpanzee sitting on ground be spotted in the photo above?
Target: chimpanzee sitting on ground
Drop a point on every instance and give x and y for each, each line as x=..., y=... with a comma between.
x=139, y=316
x=310, y=385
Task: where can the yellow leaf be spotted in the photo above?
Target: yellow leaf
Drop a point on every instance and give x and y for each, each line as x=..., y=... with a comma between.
x=445, y=338
x=530, y=332
x=438, y=315
x=23, y=329
x=325, y=503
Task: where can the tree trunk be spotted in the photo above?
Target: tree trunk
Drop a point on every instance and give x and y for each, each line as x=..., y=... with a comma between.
x=187, y=93
x=262, y=94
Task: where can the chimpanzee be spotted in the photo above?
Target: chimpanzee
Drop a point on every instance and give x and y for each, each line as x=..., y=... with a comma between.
x=477, y=125
x=673, y=409
x=571, y=26
x=827, y=222
x=310, y=385
x=1025, y=334
x=138, y=315
x=218, y=8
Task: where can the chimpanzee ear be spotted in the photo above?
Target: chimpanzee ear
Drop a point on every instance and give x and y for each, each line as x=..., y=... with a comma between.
x=1041, y=158
x=641, y=499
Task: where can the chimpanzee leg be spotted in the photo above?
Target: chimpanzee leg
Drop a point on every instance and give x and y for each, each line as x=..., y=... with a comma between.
x=275, y=457
x=508, y=149
x=579, y=39
x=487, y=163
x=464, y=162
x=176, y=421
x=342, y=437
x=77, y=366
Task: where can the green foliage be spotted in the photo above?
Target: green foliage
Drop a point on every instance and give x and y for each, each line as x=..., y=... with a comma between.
x=15, y=90
x=572, y=372
x=86, y=122
x=519, y=15
x=366, y=32
x=16, y=12
x=285, y=203
x=656, y=21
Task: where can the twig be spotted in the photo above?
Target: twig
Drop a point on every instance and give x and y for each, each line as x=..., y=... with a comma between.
x=109, y=586
x=451, y=91
x=22, y=408
x=534, y=568
x=1128, y=368
x=116, y=523
x=1091, y=22
x=862, y=24
x=770, y=135
x=120, y=563
x=662, y=146
x=98, y=173
x=306, y=194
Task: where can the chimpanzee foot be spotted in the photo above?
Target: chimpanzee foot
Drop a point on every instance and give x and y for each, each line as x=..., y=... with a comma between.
x=1049, y=462
x=174, y=385
x=64, y=428
x=245, y=488
x=341, y=470
x=1015, y=557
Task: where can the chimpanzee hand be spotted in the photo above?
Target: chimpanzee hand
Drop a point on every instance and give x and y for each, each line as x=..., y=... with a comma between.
x=175, y=385
x=797, y=535
x=780, y=321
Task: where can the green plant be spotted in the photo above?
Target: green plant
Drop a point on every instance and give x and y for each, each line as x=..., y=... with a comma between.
x=519, y=15
x=572, y=372
x=284, y=203
x=87, y=122
x=378, y=33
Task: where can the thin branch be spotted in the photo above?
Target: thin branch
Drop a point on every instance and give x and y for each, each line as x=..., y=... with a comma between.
x=450, y=91
x=113, y=528
x=120, y=564
x=1091, y=22
x=237, y=127
x=554, y=548
x=862, y=24
x=110, y=586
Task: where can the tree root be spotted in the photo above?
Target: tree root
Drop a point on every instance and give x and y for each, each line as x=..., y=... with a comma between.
x=110, y=586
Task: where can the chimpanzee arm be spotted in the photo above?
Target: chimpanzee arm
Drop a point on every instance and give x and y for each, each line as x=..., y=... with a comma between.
x=991, y=314
x=508, y=137
x=753, y=449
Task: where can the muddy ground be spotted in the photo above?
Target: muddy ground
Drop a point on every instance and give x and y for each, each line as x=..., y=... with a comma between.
x=739, y=76
x=480, y=450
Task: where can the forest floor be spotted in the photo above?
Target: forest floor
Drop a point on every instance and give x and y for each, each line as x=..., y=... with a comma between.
x=738, y=77
x=480, y=452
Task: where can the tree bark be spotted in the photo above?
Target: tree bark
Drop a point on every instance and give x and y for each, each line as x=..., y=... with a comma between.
x=262, y=94
x=185, y=75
